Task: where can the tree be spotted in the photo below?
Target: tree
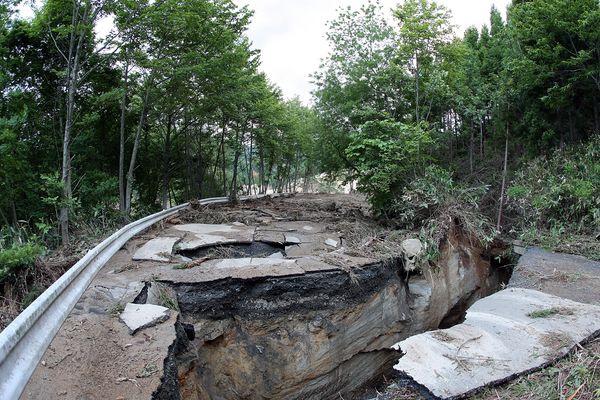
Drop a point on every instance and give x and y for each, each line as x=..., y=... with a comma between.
x=424, y=30
x=358, y=81
x=74, y=41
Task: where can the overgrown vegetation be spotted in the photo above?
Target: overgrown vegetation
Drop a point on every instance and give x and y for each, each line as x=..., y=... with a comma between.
x=420, y=119
x=555, y=200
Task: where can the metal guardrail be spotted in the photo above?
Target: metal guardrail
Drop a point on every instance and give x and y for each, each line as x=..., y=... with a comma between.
x=24, y=341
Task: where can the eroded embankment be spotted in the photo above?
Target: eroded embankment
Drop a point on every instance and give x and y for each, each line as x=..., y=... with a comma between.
x=288, y=298
x=322, y=334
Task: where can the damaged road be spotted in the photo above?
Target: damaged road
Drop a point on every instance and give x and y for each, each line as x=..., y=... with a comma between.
x=505, y=335
x=289, y=298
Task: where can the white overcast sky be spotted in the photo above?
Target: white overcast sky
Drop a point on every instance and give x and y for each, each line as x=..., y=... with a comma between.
x=291, y=34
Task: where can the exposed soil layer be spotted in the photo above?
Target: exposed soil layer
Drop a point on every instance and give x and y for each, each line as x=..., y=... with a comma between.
x=325, y=334
x=268, y=298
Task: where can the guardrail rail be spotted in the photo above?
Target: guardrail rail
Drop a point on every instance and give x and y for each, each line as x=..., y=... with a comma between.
x=24, y=341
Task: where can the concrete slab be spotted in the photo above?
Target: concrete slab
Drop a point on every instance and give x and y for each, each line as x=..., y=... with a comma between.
x=564, y=275
x=159, y=249
x=510, y=333
x=269, y=237
x=331, y=242
x=292, y=239
x=207, y=228
x=242, y=268
x=238, y=268
x=279, y=255
x=206, y=235
x=140, y=316
x=203, y=240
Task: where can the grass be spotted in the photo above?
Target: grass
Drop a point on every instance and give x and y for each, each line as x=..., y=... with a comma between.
x=116, y=309
x=576, y=377
x=545, y=313
x=562, y=241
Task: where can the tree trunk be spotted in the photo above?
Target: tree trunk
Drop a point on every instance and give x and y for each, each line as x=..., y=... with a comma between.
x=76, y=42
x=250, y=175
x=233, y=189
x=166, y=176
x=261, y=171
x=13, y=212
x=134, y=151
x=504, y=173
x=122, y=139
x=417, y=88
x=66, y=158
x=471, y=149
x=596, y=115
x=481, y=139
x=223, y=161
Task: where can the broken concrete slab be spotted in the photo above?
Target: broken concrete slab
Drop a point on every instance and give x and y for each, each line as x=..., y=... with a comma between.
x=279, y=256
x=271, y=237
x=203, y=240
x=208, y=228
x=205, y=235
x=564, y=275
x=158, y=249
x=331, y=242
x=510, y=333
x=242, y=268
x=292, y=239
x=140, y=316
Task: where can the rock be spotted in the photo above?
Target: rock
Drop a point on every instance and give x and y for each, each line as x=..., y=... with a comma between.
x=140, y=316
x=505, y=335
x=411, y=250
x=331, y=242
x=292, y=239
x=519, y=247
x=159, y=249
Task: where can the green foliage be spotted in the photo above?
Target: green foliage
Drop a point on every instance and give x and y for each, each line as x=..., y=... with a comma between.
x=559, y=191
x=18, y=258
x=434, y=192
x=545, y=313
x=433, y=202
x=385, y=155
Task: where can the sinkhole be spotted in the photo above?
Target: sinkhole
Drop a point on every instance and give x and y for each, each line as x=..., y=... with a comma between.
x=325, y=334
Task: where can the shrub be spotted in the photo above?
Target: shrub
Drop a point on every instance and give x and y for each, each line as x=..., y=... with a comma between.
x=562, y=190
x=434, y=201
x=18, y=258
x=386, y=155
x=433, y=192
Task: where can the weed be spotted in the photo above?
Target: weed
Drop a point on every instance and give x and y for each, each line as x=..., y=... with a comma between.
x=31, y=296
x=545, y=313
x=116, y=309
x=167, y=301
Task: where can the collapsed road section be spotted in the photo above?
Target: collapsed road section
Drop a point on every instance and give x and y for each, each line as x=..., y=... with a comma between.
x=288, y=298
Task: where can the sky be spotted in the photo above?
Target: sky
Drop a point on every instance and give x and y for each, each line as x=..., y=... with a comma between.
x=291, y=34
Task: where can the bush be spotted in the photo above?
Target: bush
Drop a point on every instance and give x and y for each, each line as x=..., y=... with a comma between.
x=386, y=155
x=432, y=192
x=434, y=201
x=18, y=258
x=562, y=190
